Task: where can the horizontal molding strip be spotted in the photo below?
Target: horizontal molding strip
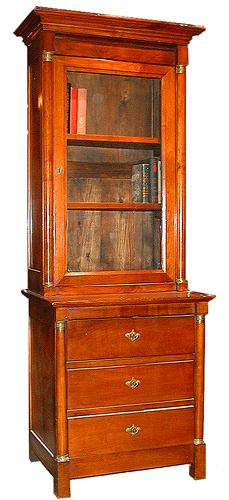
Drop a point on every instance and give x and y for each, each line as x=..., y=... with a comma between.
x=132, y=412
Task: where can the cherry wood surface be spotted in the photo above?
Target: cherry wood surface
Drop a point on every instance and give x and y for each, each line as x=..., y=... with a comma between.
x=124, y=52
x=81, y=409
x=158, y=381
x=96, y=339
x=107, y=434
x=100, y=25
x=87, y=296
x=197, y=469
x=95, y=139
x=112, y=206
x=42, y=385
x=93, y=465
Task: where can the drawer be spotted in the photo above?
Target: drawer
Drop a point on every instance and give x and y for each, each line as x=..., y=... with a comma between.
x=130, y=384
x=113, y=338
x=129, y=432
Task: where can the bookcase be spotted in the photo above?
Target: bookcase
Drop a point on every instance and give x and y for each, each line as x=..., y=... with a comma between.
x=116, y=338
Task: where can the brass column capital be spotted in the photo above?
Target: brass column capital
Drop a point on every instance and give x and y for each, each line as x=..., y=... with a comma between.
x=180, y=68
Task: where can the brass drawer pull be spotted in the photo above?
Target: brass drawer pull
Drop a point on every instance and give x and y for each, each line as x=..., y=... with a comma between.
x=133, y=383
x=133, y=335
x=133, y=430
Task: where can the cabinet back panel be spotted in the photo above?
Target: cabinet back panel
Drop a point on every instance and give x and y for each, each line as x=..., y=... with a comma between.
x=119, y=105
x=113, y=240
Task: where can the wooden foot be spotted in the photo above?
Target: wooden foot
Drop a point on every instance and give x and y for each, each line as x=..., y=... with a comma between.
x=32, y=456
x=198, y=467
x=62, y=481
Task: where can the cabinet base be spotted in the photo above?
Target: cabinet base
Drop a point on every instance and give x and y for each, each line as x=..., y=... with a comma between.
x=95, y=465
x=129, y=461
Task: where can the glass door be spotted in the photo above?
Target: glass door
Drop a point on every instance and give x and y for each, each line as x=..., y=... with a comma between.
x=115, y=180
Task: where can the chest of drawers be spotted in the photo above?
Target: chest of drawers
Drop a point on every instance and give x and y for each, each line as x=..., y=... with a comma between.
x=118, y=387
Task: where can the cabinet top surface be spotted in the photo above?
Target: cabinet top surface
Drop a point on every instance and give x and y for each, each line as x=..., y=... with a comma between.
x=101, y=25
x=123, y=299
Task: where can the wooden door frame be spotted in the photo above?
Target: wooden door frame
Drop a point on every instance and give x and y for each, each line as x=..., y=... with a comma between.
x=167, y=275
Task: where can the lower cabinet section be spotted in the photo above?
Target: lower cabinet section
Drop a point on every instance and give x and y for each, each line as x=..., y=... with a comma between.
x=92, y=415
x=124, y=432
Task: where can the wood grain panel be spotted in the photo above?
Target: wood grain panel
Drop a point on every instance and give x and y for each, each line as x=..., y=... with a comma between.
x=109, y=240
x=95, y=465
x=121, y=52
x=34, y=167
x=95, y=339
x=107, y=434
x=42, y=387
x=116, y=105
x=89, y=388
x=127, y=310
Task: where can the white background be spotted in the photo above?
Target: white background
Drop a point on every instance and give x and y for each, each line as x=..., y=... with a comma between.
x=207, y=254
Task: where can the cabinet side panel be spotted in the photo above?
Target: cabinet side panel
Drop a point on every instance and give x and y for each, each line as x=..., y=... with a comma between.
x=34, y=167
x=42, y=416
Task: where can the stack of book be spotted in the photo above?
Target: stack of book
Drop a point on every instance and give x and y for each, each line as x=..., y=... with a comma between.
x=146, y=181
x=76, y=109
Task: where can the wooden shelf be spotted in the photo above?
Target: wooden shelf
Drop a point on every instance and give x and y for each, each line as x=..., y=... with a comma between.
x=112, y=140
x=113, y=206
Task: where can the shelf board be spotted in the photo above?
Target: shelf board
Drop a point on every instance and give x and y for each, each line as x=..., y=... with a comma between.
x=113, y=206
x=112, y=140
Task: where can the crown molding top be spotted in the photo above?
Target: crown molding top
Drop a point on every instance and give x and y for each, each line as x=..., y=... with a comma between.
x=87, y=24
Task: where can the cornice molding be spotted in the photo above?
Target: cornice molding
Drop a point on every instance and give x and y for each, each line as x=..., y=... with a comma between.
x=105, y=26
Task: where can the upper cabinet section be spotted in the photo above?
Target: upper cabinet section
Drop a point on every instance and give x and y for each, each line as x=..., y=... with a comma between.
x=106, y=144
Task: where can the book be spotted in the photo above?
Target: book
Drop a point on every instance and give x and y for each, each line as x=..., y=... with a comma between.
x=159, y=183
x=73, y=110
x=82, y=111
x=154, y=181
x=68, y=106
x=76, y=109
x=146, y=182
x=136, y=181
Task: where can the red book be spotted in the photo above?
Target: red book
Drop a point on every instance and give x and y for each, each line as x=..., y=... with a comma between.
x=73, y=110
x=82, y=111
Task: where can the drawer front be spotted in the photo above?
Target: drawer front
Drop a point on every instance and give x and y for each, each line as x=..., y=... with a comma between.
x=113, y=338
x=136, y=383
x=129, y=432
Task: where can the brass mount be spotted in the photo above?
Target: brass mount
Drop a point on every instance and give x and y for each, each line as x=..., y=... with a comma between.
x=47, y=55
x=200, y=318
x=60, y=325
x=198, y=441
x=180, y=68
x=62, y=458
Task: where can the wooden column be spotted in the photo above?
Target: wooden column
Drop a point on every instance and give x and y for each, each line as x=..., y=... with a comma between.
x=61, y=477
x=47, y=155
x=198, y=468
x=182, y=61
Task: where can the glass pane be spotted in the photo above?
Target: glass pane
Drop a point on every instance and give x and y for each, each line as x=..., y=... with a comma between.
x=114, y=175
x=113, y=105
x=102, y=240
